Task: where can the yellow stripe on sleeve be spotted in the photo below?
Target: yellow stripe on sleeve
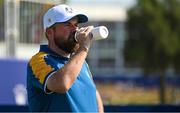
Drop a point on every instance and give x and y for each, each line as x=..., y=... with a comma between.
x=39, y=67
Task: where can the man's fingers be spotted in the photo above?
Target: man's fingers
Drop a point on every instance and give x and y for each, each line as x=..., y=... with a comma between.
x=88, y=30
x=84, y=32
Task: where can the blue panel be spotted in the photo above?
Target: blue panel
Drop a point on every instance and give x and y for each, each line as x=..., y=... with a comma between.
x=13, y=72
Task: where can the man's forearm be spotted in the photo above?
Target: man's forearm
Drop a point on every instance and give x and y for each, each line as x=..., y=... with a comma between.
x=62, y=80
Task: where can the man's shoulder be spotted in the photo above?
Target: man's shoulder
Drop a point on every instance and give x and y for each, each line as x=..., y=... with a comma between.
x=40, y=66
x=38, y=57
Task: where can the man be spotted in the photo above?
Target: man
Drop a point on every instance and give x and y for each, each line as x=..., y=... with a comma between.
x=58, y=78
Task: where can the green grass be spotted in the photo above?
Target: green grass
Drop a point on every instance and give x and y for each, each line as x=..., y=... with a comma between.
x=123, y=94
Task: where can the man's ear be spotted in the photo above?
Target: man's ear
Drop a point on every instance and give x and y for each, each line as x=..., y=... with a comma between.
x=49, y=32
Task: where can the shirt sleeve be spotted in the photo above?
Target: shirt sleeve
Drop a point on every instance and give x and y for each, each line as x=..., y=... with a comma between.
x=43, y=67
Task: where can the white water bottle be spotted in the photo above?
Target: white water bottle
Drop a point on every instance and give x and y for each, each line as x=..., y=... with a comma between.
x=98, y=33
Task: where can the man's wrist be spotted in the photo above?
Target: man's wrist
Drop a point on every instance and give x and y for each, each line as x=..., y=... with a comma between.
x=83, y=48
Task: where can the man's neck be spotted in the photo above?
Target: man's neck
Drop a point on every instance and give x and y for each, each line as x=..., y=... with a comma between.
x=59, y=51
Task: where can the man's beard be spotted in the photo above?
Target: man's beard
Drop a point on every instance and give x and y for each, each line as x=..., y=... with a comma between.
x=69, y=45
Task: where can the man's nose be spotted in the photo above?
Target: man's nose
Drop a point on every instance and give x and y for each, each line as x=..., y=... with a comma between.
x=74, y=28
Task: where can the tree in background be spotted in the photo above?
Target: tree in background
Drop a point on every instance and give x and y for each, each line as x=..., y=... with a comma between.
x=154, y=38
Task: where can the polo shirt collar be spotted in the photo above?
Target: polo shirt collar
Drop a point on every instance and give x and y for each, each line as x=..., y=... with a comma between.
x=46, y=49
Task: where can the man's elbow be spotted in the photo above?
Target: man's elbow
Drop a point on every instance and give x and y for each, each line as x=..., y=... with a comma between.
x=58, y=86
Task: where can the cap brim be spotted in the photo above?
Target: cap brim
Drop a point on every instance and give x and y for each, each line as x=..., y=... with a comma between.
x=82, y=18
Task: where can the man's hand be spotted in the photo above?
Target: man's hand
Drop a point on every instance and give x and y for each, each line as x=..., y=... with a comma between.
x=83, y=37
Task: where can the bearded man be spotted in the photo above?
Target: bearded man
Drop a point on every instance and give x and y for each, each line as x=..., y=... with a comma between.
x=58, y=77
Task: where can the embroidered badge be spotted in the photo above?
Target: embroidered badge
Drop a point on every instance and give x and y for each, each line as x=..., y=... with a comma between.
x=68, y=9
x=49, y=20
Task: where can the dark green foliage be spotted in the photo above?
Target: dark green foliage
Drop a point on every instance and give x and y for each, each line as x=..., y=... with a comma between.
x=153, y=34
x=153, y=41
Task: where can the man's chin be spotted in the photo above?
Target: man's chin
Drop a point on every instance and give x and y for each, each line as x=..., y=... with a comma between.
x=71, y=48
x=70, y=51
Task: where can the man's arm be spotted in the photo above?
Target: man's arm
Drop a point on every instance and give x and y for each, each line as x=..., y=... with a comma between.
x=100, y=103
x=63, y=79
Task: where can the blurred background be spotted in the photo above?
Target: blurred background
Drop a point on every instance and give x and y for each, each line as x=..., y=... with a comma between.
x=137, y=65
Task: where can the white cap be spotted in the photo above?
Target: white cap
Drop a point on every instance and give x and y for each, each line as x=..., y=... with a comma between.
x=61, y=13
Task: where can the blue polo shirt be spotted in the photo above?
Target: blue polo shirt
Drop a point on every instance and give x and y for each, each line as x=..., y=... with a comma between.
x=81, y=97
